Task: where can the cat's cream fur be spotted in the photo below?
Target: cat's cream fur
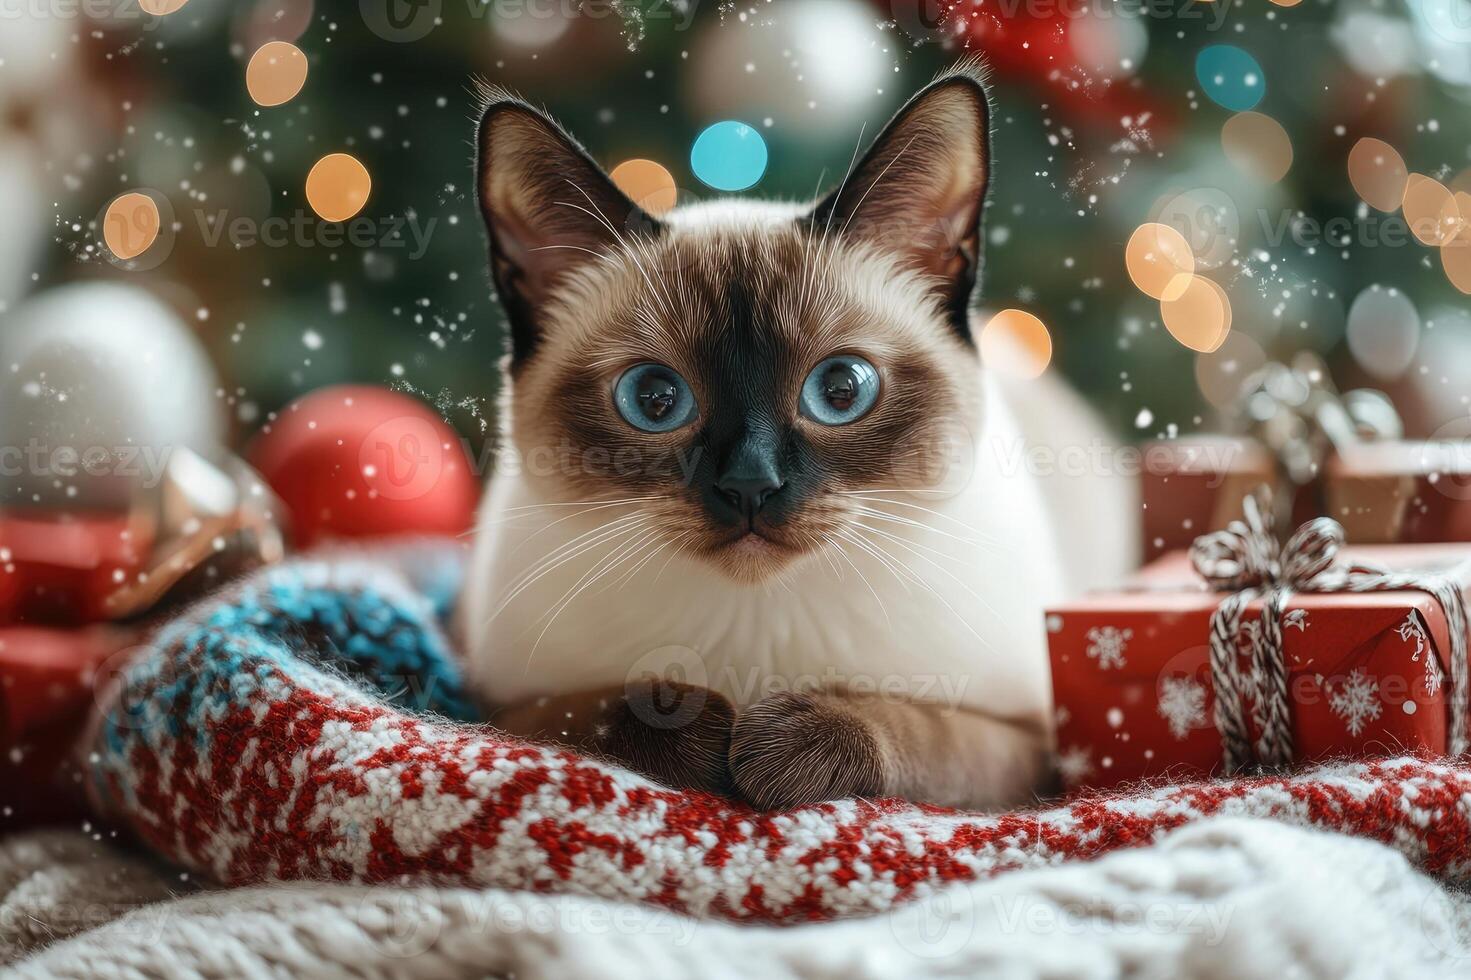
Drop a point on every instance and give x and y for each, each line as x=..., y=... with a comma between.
x=917, y=624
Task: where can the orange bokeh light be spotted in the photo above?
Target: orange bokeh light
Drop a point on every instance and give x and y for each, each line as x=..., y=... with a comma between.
x=1378, y=173
x=338, y=187
x=1430, y=210
x=1200, y=317
x=648, y=184
x=1159, y=260
x=276, y=73
x=131, y=225
x=1257, y=145
x=1016, y=343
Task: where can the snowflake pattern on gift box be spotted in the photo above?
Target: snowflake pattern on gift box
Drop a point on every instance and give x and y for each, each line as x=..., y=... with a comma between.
x=1182, y=704
x=1296, y=619
x=1413, y=630
x=1107, y=645
x=1355, y=700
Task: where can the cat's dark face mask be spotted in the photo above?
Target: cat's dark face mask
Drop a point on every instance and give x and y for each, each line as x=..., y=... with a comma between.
x=748, y=373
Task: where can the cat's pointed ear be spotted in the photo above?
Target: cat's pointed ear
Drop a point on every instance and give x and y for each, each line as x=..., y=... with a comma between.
x=549, y=208
x=921, y=186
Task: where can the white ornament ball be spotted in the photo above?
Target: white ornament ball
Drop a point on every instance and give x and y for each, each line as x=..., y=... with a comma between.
x=99, y=384
x=815, y=67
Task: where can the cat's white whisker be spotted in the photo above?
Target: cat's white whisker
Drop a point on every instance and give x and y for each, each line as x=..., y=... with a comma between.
x=902, y=521
x=877, y=180
x=565, y=553
x=629, y=249
x=589, y=578
x=871, y=496
x=573, y=516
x=936, y=593
x=846, y=536
x=656, y=546
x=959, y=560
x=948, y=574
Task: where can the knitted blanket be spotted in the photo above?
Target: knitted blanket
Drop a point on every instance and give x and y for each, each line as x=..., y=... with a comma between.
x=312, y=724
x=1224, y=897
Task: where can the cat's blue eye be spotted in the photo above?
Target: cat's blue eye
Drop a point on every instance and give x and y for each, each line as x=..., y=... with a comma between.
x=840, y=390
x=654, y=398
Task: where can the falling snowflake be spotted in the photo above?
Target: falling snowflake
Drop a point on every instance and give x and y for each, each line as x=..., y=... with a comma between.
x=1356, y=700
x=1107, y=645
x=1182, y=704
x=1075, y=764
x=1413, y=630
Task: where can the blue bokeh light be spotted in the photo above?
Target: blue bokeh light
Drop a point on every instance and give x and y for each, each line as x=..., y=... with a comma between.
x=1231, y=77
x=729, y=156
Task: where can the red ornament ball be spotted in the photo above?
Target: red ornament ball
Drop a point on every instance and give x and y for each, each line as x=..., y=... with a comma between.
x=355, y=461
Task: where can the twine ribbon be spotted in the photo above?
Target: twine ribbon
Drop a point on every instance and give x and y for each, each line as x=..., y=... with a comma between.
x=1247, y=561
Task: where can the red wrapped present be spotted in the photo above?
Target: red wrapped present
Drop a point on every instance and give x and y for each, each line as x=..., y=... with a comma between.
x=1197, y=483
x=60, y=567
x=1343, y=455
x=1263, y=656
x=47, y=678
x=1400, y=491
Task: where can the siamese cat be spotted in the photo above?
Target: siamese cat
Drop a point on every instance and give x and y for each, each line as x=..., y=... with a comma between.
x=770, y=529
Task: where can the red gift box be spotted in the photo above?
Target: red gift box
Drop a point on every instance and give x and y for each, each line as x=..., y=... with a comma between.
x=61, y=568
x=47, y=678
x=1196, y=483
x=1396, y=491
x=1368, y=674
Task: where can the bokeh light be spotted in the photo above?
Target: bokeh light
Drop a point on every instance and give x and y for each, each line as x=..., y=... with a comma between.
x=338, y=187
x=1383, y=331
x=276, y=73
x=1257, y=145
x=1200, y=317
x=532, y=25
x=1455, y=259
x=1221, y=373
x=1209, y=220
x=161, y=8
x=1230, y=77
x=1113, y=47
x=272, y=20
x=131, y=225
x=1431, y=211
x=1159, y=261
x=1378, y=174
x=646, y=183
x=1016, y=343
x=815, y=67
x=729, y=156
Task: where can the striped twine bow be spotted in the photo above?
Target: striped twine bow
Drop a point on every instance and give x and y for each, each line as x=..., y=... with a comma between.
x=1247, y=561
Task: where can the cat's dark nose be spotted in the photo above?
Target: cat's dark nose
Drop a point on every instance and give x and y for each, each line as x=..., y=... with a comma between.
x=751, y=476
x=749, y=493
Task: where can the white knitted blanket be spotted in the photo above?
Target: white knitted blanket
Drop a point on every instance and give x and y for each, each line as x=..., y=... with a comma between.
x=1227, y=897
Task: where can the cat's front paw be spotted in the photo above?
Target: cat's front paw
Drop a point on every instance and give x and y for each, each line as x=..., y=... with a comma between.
x=678, y=734
x=790, y=749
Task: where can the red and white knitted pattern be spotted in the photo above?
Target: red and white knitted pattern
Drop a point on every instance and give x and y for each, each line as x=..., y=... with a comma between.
x=329, y=784
x=234, y=750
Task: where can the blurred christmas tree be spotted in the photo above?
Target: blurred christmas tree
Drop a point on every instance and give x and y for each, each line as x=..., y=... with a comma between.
x=1230, y=122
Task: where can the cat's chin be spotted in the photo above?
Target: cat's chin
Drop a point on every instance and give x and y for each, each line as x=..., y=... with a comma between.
x=753, y=557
